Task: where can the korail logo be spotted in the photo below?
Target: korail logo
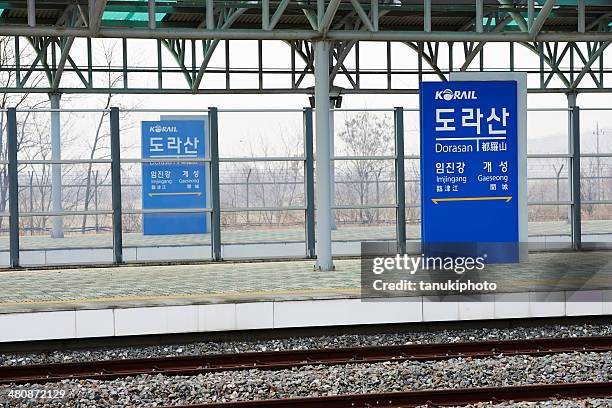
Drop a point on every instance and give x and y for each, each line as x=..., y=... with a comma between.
x=449, y=95
x=165, y=129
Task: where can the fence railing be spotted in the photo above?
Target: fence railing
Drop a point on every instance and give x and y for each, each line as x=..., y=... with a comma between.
x=395, y=200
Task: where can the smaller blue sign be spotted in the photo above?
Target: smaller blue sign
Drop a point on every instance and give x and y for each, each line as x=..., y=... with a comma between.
x=173, y=184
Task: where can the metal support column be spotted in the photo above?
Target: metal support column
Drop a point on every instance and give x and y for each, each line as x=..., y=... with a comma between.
x=323, y=158
x=332, y=168
x=574, y=132
x=213, y=121
x=400, y=180
x=309, y=184
x=13, y=187
x=115, y=144
x=56, y=168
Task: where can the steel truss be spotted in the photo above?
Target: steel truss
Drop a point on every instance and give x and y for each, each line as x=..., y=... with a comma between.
x=568, y=43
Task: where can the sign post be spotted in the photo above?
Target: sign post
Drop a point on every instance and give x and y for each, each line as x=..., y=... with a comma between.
x=172, y=184
x=472, y=154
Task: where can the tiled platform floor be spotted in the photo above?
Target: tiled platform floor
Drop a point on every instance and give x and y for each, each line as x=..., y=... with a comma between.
x=258, y=236
x=140, y=300
x=131, y=286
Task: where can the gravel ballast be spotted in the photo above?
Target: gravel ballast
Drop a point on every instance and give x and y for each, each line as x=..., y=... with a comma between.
x=297, y=343
x=146, y=390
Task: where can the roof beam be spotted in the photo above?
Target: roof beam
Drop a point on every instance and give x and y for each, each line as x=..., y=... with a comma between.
x=332, y=35
x=375, y=14
x=213, y=45
x=312, y=18
x=327, y=18
x=57, y=76
x=518, y=17
x=479, y=7
x=581, y=16
x=530, y=14
x=427, y=16
x=31, y=13
x=265, y=14
x=589, y=63
x=210, y=15
x=340, y=57
x=599, y=20
x=427, y=59
x=585, y=59
x=278, y=14
x=541, y=19
x=84, y=16
x=365, y=19
x=96, y=10
x=65, y=15
x=44, y=44
x=469, y=58
x=151, y=9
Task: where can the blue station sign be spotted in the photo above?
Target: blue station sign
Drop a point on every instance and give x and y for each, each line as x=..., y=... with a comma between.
x=469, y=169
x=173, y=184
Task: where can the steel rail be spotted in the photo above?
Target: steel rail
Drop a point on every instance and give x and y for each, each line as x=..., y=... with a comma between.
x=277, y=360
x=431, y=397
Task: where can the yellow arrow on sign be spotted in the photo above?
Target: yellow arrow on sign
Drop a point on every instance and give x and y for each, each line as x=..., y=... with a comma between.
x=439, y=200
x=178, y=193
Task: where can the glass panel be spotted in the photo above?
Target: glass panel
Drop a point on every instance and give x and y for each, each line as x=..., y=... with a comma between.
x=597, y=223
x=549, y=220
x=596, y=178
x=85, y=188
x=372, y=224
x=547, y=132
x=162, y=186
x=547, y=180
x=263, y=234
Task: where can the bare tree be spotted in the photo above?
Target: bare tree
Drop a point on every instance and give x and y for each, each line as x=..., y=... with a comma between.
x=100, y=146
x=8, y=79
x=365, y=135
x=269, y=184
x=281, y=193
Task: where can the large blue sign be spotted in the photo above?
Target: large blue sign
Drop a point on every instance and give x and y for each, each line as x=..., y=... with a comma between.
x=173, y=184
x=469, y=169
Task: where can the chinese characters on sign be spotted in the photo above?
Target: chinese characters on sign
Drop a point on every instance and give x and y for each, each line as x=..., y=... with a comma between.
x=171, y=184
x=469, y=160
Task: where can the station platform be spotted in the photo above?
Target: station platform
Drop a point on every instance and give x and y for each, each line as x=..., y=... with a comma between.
x=77, y=248
x=39, y=304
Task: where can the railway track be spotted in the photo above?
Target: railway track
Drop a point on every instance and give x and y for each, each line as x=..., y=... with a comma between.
x=276, y=360
x=436, y=397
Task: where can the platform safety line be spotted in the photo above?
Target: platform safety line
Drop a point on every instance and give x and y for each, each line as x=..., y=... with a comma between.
x=187, y=296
